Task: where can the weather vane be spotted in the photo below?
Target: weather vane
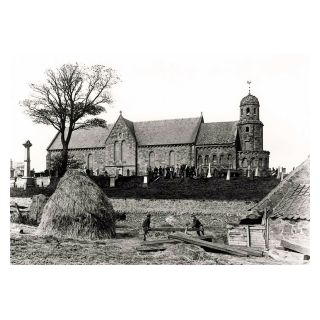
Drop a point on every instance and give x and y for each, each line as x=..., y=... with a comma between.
x=249, y=83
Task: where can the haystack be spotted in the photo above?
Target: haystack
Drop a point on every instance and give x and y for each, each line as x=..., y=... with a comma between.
x=36, y=208
x=77, y=209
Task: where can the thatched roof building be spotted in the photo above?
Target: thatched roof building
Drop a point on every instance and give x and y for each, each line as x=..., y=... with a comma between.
x=288, y=208
x=78, y=209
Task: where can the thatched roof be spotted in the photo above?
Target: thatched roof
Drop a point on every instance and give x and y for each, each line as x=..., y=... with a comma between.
x=290, y=199
x=78, y=209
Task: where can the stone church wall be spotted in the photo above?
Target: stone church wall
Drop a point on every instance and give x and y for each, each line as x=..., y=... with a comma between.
x=218, y=157
x=82, y=155
x=183, y=154
x=253, y=159
x=126, y=159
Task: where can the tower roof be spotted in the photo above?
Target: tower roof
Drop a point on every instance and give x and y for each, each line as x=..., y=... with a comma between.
x=249, y=100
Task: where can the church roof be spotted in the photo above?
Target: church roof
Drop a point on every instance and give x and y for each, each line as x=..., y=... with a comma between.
x=249, y=100
x=84, y=138
x=217, y=133
x=162, y=132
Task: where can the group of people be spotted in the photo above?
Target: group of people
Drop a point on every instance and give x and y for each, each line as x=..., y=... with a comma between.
x=196, y=225
x=171, y=172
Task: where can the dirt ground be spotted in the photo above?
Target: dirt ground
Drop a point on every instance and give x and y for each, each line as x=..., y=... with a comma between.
x=29, y=249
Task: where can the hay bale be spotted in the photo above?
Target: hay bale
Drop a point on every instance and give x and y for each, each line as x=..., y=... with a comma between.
x=77, y=209
x=36, y=208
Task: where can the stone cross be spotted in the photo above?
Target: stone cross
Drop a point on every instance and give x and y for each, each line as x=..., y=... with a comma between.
x=26, y=172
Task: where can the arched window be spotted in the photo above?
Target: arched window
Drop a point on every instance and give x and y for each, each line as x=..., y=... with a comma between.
x=200, y=161
x=248, y=111
x=90, y=162
x=214, y=159
x=206, y=160
x=244, y=163
x=151, y=159
x=255, y=110
x=221, y=159
x=123, y=150
x=252, y=162
x=230, y=161
x=260, y=162
x=117, y=151
x=247, y=129
x=172, y=158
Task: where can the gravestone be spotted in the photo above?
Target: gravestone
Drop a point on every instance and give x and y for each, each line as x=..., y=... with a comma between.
x=209, y=171
x=112, y=182
x=228, y=175
x=145, y=182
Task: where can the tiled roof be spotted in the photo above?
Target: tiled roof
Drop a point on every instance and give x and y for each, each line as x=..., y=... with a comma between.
x=162, y=132
x=217, y=133
x=84, y=138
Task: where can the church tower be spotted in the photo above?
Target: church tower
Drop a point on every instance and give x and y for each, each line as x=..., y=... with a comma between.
x=250, y=126
x=250, y=129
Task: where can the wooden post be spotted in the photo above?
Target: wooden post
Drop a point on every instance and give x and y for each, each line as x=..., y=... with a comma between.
x=248, y=235
x=267, y=229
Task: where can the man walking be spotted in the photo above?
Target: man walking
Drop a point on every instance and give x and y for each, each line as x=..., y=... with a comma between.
x=196, y=224
x=146, y=226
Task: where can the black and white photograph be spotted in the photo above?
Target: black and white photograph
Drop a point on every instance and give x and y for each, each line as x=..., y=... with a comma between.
x=190, y=190
x=162, y=143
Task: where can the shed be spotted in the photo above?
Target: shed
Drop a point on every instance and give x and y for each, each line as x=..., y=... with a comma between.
x=284, y=214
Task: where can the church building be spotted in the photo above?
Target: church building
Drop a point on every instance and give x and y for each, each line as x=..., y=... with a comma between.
x=129, y=148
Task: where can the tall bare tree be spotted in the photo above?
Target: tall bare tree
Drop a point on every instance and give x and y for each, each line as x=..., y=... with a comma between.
x=70, y=98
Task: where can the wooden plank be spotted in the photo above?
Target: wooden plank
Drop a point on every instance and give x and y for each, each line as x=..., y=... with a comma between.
x=160, y=241
x=150, y=249
x=207, y=238
x=251, y=251
x=210, y=245
x=171, y=229
x=295, y=247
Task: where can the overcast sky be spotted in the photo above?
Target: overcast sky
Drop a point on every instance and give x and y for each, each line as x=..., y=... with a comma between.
x=171, y=86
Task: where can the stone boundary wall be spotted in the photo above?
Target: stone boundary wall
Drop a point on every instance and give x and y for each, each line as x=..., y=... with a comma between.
x=212, y=213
